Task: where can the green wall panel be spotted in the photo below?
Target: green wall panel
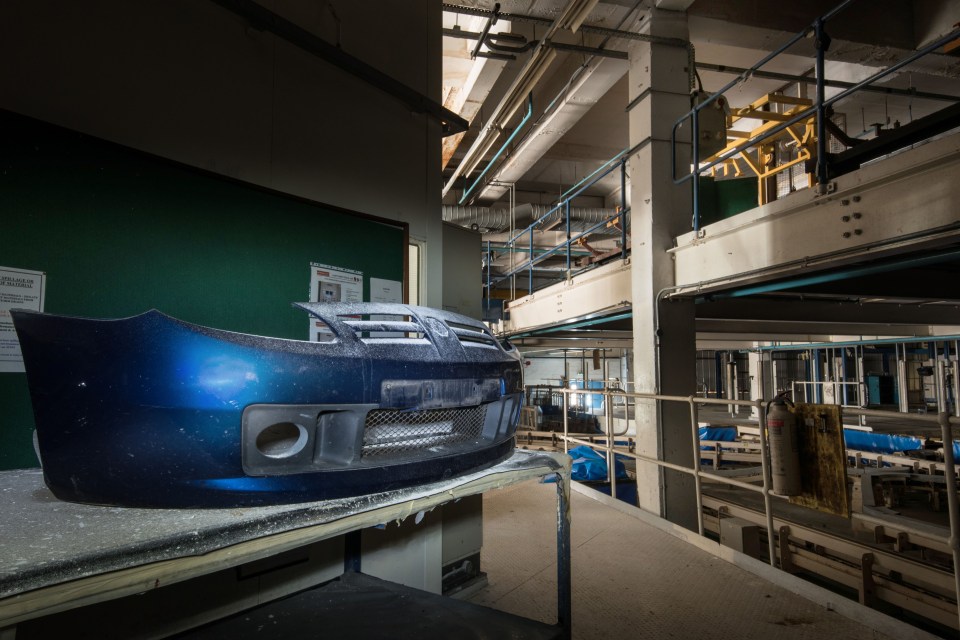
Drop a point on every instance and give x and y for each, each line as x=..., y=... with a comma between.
x=119, y=232
x=722, y=199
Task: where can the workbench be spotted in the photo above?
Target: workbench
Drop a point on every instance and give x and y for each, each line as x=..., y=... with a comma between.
x=58, y=556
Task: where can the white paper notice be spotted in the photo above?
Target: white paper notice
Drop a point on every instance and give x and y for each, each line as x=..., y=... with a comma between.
x=332, y=284
x=19, y=289
x=386, y=291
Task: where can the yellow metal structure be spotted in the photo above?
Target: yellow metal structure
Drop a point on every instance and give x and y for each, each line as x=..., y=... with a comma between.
x=771, y=110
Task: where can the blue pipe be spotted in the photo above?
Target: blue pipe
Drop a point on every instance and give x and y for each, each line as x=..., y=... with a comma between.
x=852, y=343
x=513, y=135
x=834, y=276
x=574, y=325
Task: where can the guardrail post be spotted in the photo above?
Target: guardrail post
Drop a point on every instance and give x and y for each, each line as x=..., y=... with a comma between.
x=867, y=586
x=786, y=560
x=695, y=139
x=953, y=505
x=767, y=481
x=822, y=43
x=564, y=570
x=489, y=291
x=697, y=480
x=611, y=454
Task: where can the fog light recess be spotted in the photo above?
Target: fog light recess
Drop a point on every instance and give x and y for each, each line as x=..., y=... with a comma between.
x=282, y=440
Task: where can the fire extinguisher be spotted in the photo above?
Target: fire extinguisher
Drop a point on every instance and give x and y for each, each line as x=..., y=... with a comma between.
x=784, y=447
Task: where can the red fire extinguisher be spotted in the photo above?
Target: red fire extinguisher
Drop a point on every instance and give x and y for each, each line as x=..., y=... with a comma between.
x=784, y=447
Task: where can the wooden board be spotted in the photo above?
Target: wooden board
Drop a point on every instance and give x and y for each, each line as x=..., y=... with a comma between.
x=823, y=459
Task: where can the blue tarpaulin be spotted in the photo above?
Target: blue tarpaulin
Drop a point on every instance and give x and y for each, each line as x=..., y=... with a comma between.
x=590, y=466
x=881, y=442
x=721, y=434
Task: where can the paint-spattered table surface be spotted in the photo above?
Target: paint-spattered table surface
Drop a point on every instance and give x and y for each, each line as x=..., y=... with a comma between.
x=57, y=555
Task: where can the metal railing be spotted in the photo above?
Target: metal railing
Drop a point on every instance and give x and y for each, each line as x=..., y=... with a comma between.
x=819, y=107
x=523, y=241
x=846, y=394
x=609, y=448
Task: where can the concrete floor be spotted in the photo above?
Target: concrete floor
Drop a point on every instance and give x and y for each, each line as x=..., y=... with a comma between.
x=630, y=579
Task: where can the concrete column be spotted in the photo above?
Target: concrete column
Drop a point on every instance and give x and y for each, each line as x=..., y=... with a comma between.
x=664, y=332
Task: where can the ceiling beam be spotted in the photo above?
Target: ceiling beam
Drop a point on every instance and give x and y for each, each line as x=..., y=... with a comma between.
x=263, y=19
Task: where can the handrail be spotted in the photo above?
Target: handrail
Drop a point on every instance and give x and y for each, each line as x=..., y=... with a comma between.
x=943, y=419
x=538, y=256
x=819, y=107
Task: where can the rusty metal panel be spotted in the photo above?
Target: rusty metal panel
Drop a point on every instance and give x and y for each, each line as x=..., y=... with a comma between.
x=823, y=459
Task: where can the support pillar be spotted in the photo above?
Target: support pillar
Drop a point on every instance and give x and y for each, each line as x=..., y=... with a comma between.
x=664, y=331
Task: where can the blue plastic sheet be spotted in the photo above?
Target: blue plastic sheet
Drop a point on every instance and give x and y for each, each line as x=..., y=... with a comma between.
x=721, y=434
x=590, y=466
x=881, y=442
x=887, y=443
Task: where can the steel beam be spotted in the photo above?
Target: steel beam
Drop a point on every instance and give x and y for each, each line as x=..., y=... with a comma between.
x=262, y=18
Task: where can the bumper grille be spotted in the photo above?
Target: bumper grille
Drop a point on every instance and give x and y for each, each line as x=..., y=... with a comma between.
x=392, y=434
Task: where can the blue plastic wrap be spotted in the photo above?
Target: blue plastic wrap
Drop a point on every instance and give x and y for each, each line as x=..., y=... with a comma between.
x=721, y=434
x=590, y=466
x=881, y=442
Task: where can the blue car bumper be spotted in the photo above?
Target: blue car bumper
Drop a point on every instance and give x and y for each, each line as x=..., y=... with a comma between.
x=150, y=411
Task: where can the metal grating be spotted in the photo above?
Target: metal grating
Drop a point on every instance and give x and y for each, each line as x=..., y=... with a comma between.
x=391, y=433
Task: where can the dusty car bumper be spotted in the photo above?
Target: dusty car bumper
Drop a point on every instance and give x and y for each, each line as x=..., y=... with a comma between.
x=153, y=411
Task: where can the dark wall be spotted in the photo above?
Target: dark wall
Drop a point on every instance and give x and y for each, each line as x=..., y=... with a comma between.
x=119, y=232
